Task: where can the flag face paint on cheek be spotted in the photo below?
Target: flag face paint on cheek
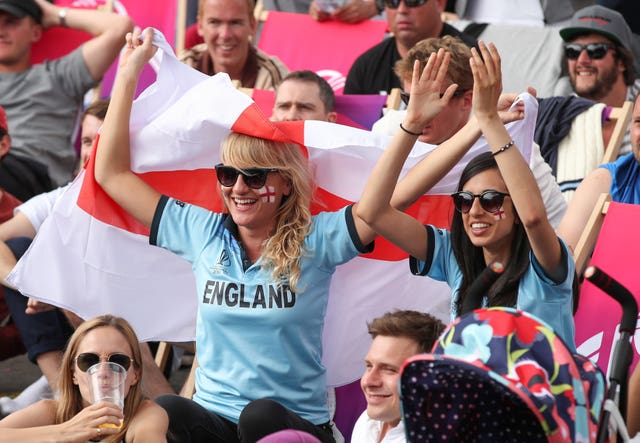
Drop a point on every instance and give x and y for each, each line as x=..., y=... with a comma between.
x=500, y=214
x=268, y=194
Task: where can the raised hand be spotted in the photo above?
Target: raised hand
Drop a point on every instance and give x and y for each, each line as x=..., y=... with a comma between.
x=487, y=80
x=138, y=50
x=426, y=99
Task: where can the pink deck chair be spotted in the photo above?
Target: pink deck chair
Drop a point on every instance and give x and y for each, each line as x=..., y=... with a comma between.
x=617, y=253
x=327, y=48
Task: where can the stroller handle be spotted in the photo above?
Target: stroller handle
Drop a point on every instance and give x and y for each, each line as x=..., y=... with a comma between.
x=619, y=293
x=622, y=352
x=480, y=286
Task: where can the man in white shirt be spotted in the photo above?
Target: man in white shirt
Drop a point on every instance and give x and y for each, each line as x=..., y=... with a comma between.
x=396, y=336
x=458, y=112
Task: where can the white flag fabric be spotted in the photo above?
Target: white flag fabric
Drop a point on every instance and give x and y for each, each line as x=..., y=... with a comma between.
x=91, y=258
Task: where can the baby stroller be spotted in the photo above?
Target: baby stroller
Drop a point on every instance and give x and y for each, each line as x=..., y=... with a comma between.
x=502, y=375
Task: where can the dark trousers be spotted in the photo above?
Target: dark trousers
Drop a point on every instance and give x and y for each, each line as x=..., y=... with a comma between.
x=43, y=332
x=191, y=423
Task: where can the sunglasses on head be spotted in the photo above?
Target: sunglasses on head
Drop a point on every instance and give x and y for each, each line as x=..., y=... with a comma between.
x=405, y=96
x=255, y=178
x=393, y=4
x=595, y=51
x=87, y=359
x=490, y=201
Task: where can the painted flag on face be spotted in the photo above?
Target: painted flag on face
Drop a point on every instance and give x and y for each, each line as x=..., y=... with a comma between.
x=91, y=257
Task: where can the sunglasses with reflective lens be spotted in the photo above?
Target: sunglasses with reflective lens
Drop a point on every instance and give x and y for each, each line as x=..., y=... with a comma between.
x=255, y=178
x=87, y=359
x=595, y=51
x=405, y=96
x=490, y=200
x=393, y=4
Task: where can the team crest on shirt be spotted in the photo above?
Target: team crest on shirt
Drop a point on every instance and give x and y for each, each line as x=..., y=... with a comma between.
x=222, y=264
x=223, y=260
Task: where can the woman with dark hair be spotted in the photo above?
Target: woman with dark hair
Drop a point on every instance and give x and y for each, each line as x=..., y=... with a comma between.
x=71, y=417
x=499, y=217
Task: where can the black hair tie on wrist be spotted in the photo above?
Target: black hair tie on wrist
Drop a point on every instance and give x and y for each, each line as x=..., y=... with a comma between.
x=417, y=134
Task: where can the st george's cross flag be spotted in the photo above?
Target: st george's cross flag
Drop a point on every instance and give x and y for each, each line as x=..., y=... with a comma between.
x=91, y=257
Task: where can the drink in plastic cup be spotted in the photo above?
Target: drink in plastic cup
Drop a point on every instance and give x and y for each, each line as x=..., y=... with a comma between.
x=106, y=383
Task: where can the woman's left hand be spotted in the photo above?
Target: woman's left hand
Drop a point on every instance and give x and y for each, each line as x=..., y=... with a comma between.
x=138, y=50
x=487, y=80
x=426, y=99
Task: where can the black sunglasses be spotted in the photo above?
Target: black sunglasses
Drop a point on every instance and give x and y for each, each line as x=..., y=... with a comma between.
x=87, y=359
x=393, y=4
x=405, y=96
x=490, y=201
x=595, y=51
x=255, y=178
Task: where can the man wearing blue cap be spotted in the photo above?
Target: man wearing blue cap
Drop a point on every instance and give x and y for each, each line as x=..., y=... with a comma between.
x=43, y=101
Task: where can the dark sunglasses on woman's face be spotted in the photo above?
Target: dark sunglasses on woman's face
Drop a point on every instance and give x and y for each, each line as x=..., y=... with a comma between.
x=595, y=51
x=393, y=4
x=255, y=178
x=405, y=96
x=87, y=359
x=490, y=200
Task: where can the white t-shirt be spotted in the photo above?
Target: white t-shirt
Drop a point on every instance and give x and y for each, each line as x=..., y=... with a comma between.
x=554, y=202
x=37, y=208
x=367, y=430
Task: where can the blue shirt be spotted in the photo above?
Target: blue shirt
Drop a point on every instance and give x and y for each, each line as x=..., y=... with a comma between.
x=256, y=339
x=625, y=179
x=537, y=294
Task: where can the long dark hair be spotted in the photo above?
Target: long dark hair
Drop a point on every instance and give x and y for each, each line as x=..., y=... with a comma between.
x=470, y=258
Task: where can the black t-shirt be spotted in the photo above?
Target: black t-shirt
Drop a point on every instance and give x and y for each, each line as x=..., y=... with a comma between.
x=372, y=71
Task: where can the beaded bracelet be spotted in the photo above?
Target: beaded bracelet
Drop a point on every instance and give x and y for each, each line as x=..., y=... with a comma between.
x=417, y=134
x=503, y=148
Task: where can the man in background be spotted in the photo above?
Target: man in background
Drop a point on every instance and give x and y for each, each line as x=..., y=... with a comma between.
x=372, y=72
x=304, y=95
x=228, y=28
x=43, y=101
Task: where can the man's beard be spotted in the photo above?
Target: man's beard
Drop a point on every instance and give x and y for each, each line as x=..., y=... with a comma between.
x=604, y=81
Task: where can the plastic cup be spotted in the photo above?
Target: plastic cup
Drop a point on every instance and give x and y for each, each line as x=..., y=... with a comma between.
x=106, y=383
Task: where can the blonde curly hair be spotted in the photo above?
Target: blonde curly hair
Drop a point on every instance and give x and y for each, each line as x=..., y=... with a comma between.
x=282, y=251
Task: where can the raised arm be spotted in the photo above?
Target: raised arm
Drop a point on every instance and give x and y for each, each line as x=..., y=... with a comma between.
x=113, y=164
x=515, y=172
x=582, y=203
x=375, y=207
x=108, y=29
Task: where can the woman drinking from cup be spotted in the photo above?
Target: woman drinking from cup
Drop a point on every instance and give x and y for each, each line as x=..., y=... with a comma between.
x=72, y=417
